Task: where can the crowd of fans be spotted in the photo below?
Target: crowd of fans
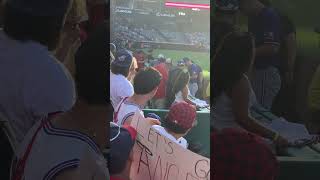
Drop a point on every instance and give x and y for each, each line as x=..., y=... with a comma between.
x=134, y=33
x=54, y=112
x=124, y=29
x=177, y=82
x=200, y=39
x=135, y=86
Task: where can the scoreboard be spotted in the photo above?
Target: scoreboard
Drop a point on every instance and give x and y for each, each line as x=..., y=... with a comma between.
x=184, y=11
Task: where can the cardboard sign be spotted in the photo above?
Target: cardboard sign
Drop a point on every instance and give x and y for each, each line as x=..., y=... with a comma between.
x=158, y=158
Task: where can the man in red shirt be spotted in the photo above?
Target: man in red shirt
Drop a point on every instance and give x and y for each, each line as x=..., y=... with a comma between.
x=158, y=101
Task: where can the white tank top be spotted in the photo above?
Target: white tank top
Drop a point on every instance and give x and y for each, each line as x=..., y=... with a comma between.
x=222, y=113
x=125, y=110
x=55, y=150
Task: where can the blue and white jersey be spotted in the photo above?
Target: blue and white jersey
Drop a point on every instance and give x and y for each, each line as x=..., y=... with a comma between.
x=125, y=110
x=55, y=150
x=266, y=28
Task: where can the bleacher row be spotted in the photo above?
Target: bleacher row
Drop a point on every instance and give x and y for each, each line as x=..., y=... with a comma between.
x=148, y=33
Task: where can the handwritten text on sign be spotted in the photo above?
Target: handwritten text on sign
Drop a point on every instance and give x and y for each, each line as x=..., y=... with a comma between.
x=158, y=158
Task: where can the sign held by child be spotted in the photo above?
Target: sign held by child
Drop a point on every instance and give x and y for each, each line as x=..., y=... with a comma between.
x=158, y=158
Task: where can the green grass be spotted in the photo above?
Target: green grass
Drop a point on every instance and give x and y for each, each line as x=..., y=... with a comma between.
x=200, y=58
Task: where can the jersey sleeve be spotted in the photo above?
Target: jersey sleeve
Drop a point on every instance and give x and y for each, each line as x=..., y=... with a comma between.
x=126, y=90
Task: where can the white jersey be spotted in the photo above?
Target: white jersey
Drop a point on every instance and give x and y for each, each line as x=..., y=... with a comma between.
x=181, y=141
x=33, y=84
x=55, y=150
x=125, y=110
x=120, y=88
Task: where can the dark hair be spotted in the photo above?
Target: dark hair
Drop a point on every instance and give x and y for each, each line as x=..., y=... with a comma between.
x=232, y=60
x=25, y=27
x=219, y=30
x=162, y=60
x=173, y=127
x=91, y=64
x=177, y=80
x=120, y=70
x=146, y=80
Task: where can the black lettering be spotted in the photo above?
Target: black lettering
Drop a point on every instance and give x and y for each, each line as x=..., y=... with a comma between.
x=171, y=148
x=169, y=143
x=157, y=139
x=156, y=168
x=201, y=173
x=145, y=151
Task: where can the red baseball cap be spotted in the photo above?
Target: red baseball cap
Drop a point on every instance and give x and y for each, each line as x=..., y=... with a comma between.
x=182, y=114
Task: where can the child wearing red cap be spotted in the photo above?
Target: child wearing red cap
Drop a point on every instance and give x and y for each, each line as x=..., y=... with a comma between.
x=179, y=121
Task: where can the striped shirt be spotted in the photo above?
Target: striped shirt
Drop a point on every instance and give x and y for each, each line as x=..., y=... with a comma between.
x=55, y=150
